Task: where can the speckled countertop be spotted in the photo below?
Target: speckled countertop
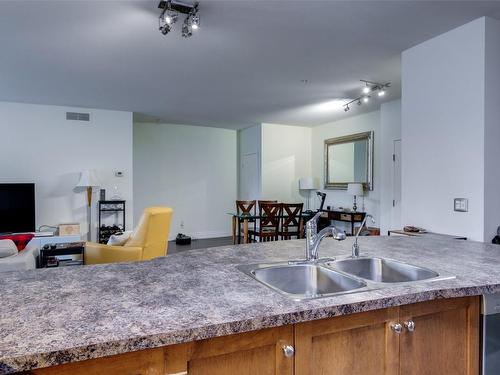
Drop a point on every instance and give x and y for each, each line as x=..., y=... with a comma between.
x=55, y=316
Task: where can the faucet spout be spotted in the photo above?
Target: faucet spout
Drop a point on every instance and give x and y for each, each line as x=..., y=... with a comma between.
x=355, y=246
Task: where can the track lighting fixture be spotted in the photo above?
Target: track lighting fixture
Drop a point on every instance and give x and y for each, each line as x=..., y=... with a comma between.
x=369, y=88
x=171, y=9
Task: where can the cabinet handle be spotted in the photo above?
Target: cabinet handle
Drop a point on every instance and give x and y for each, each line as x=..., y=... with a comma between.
x=288, y=351
x=410, y=325
x=396, y=327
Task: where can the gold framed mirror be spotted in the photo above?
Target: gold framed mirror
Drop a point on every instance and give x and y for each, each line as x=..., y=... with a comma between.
x=349, y=159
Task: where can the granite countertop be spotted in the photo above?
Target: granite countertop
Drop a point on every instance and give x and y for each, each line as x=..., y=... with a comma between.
x=56, y=316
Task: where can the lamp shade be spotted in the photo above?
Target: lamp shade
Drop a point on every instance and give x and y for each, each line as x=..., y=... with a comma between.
x=355, y=189
x=88, y=178
x=307, y=183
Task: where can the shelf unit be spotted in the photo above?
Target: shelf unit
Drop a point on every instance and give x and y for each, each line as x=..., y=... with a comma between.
x=105, y=231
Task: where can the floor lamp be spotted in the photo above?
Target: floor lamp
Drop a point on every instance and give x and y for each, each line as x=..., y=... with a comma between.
x=88, y=180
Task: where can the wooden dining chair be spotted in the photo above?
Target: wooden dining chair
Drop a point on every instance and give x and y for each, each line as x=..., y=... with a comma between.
x=245, y=207
x=261, y=202
x=291, y=220
x=269, y=222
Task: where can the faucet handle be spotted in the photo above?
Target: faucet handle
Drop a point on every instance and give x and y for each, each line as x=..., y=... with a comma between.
x=338, y=235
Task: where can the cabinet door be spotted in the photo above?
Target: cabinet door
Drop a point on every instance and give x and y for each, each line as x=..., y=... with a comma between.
x=143, y=362
x=361, y=344
x=251, y=353
x=445, y=339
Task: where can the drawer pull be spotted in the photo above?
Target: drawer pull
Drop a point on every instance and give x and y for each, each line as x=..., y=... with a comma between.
x=396, y=327
x=288, y=351
x=410, y=325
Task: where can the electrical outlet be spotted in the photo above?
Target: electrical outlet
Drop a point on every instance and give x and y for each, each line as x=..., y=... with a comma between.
x=461, y=205
x=182, y=224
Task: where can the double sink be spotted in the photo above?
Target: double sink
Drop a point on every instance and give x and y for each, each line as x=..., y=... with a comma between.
x=305, y=280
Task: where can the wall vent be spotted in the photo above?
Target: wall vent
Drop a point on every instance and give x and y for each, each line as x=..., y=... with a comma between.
x=77, y=116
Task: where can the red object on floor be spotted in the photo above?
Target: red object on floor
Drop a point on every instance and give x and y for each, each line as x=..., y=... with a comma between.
x=21, y=240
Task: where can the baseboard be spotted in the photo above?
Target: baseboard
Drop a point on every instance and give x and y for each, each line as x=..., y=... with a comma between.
x=203, y=235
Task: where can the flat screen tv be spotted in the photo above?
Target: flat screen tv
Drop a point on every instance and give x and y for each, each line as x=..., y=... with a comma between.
x=17, y=208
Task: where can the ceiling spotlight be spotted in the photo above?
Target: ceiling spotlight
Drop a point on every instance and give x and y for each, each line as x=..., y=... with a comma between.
x=170, y=18
x=366, y=89
x=186, y=28
x=165, y=29
x=381, y=92
x=359, y=101
x=195, y=22
x=346, y=108
x=366, y=99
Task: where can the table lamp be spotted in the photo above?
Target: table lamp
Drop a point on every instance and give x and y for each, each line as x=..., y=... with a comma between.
x=307, y=183
x=355, y=189
x=88, y=180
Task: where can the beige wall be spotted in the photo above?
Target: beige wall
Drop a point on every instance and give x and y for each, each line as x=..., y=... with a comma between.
x=286, y=157
x=191, y=169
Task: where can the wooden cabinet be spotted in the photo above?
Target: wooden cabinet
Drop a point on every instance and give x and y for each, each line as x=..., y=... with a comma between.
x=259, y=352
x=445, y=340
x=361, y=344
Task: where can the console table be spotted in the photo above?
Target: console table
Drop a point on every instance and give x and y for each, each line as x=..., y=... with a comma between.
x=346, y=216
x=51, y=251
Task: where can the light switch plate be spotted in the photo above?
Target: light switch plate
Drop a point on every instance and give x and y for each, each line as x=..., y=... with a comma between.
x=461, y=205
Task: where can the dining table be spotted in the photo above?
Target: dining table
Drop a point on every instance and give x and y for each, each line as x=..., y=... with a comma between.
x=246, y=218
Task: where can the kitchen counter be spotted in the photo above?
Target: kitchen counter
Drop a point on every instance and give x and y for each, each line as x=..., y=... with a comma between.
x=56, y=316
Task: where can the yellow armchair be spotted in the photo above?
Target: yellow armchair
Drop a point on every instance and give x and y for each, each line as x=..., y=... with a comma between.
x=149, y=240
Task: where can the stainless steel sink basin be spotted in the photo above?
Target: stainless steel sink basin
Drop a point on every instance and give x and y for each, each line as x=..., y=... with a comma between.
x=303, y=281
x=382, y=270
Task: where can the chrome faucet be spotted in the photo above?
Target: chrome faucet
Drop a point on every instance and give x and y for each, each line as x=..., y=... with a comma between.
x=355, y=246
x=313, y=238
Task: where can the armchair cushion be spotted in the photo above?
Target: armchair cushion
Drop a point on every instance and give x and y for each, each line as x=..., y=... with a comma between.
x=96, y=253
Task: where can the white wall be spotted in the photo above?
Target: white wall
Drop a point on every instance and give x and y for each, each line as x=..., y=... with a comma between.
x=443, y=99
x=351, y=125
x=191, y=169
x=390, y=130
x=492, y=129
x=286, y=157
x=39, y=145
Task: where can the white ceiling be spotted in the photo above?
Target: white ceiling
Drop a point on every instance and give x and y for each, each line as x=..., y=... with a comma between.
x=243, y=67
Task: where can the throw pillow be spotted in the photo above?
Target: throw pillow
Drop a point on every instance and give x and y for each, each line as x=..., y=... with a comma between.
x=7, y=248
x=119, y=239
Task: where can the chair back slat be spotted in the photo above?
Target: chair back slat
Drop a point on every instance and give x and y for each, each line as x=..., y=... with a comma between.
x=246, y=207
x=292, y=215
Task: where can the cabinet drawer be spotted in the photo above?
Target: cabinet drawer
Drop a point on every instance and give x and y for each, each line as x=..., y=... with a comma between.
x=345, y=217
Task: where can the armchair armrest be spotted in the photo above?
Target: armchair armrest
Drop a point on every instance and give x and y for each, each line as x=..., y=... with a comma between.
x=96, y=253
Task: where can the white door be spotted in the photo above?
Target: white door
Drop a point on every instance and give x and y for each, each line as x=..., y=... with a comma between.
x=396, y=186
x=250, y=177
